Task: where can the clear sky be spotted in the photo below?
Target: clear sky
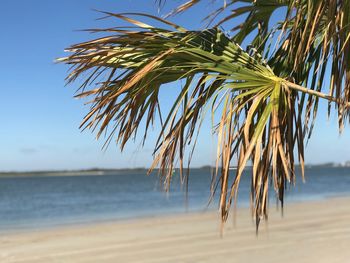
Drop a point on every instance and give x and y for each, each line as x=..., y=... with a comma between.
x=39, y=117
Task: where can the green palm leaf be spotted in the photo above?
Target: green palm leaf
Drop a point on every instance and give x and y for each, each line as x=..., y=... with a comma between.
x=313, y=40
x=260, y=112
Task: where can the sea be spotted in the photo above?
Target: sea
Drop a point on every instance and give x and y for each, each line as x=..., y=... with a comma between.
x=39, y=201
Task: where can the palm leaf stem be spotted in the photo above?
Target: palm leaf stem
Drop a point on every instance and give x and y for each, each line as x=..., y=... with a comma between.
x=314, y=93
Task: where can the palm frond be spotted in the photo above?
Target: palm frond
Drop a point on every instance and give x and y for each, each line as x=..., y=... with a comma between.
x=260, y=112
x=313, y=39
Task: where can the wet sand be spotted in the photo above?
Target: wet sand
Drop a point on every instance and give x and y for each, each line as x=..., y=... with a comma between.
x=317, y=231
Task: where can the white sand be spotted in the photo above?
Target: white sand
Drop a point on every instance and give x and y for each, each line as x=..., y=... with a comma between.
x=309, y=232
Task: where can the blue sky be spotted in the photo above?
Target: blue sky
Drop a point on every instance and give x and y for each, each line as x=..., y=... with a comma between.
x=39, y=117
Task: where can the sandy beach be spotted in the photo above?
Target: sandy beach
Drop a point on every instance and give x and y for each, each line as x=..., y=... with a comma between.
x=317, y=231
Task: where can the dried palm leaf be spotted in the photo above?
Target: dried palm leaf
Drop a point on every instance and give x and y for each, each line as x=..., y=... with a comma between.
x=261, y=111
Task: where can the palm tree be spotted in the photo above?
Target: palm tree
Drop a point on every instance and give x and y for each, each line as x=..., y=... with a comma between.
x=267, y=95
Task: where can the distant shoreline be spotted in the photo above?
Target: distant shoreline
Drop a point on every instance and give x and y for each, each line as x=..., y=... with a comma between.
x=71, y=172
x=102, y=171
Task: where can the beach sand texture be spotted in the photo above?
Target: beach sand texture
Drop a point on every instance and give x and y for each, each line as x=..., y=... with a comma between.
x=316, y=231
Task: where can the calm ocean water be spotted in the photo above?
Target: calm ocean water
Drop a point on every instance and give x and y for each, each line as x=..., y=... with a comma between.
x=40, y=202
